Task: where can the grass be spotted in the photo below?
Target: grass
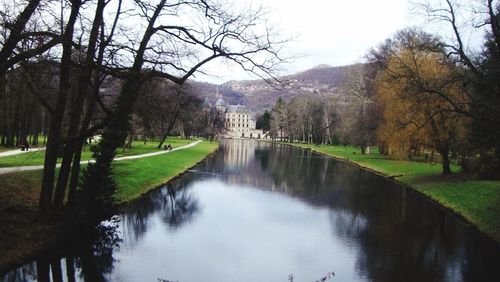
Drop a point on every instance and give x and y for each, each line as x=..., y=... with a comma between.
x=22, y=234
x=137, y=177
x=477, y=201
x=138, y=147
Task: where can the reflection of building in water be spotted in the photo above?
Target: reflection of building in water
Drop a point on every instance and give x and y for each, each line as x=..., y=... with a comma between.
x=238, y=153
x=245, y=162
x=242, y=164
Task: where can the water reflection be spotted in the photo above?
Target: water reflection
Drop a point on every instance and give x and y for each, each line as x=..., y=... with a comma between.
x=89, y=259
x=173, y=202
x=181, y=208
x=399, y=236
x=260, y=212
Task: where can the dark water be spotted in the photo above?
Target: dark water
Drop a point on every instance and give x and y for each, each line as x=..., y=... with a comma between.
x=260, y=212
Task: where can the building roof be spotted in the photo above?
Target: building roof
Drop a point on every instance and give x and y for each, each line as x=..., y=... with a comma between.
x=236, y=108
x=220, y=103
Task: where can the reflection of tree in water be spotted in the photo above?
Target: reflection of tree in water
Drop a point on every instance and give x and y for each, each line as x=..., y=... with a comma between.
x=88, y=260
x=275, y=167
x=136, y=217
x=91, y=259
x=24, y=273
x=302, y=173
x=179, y=207
x=400, y=236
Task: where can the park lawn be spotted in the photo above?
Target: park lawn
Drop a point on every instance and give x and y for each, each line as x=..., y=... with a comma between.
x=138, y=147
x=477, y=201
x=137, y=177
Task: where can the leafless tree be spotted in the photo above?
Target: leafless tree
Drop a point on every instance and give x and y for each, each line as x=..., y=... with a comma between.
x=175, y=48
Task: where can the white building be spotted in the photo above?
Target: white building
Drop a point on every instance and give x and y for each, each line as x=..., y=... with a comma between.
x=239, y=121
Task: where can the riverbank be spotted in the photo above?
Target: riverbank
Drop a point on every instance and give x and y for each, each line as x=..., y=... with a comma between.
x=137, y=177
x=22, y=235
x=476, y=201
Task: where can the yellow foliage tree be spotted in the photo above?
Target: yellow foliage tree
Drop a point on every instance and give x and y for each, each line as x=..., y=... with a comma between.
x=416, y=91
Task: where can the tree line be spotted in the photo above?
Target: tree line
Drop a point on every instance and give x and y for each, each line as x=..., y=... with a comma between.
x=71, y=69
x=416, y=92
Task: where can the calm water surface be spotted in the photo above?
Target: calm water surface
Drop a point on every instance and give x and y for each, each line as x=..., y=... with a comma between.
x=260, y=212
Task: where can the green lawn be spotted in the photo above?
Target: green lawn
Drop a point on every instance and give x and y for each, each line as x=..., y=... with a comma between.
x=478, y=201
x=20, y=190
x=138, y=147
x=136, y=177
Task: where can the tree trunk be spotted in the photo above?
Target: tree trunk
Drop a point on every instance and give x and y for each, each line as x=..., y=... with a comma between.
x=75, y=173
x=444, y=152
x=14, y=37
x=55, y=130
x=91, y=104
x=363, y=148
x=171, y=124
x=75, y=169
x=77, y=108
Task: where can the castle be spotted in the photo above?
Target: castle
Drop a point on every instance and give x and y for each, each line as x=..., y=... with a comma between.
x=239, y=121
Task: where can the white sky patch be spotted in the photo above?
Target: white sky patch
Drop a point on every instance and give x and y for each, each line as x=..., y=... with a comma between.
x=333, y=32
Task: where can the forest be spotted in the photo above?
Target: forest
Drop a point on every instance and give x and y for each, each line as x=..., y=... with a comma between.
x=119, y=69
x=416, y=94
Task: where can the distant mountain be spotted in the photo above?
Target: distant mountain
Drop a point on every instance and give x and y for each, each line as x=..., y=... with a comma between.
x=322, y=80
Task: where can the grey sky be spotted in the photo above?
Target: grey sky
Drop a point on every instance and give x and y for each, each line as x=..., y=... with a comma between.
x=333, y=32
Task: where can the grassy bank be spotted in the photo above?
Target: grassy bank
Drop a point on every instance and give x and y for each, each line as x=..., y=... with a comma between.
x=22, y=236
x=137, y=177
x=477, y=201
x=138, y=147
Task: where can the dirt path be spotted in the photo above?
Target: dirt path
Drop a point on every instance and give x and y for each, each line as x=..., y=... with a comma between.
x=4, y=170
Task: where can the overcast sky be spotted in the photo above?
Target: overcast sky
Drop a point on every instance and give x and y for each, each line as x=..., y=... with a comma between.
x=333, y=32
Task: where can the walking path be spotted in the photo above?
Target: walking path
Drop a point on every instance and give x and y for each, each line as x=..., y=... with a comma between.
x=4, y=170
x=18, y=151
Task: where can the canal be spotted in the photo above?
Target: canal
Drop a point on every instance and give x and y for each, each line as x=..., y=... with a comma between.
x=267, y=212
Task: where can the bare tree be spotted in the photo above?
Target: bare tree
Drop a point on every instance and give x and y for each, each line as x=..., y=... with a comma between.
x=15, y=32
x=176, y=52
x=55, y=131
x=359, y=112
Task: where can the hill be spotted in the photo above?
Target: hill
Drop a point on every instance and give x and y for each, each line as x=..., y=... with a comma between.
x=257, y=95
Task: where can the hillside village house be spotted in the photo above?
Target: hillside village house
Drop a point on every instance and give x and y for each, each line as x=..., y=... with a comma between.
x=239, y=121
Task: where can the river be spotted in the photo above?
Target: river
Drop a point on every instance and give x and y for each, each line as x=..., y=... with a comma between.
x=267, y=212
